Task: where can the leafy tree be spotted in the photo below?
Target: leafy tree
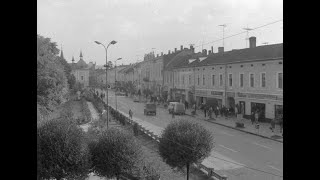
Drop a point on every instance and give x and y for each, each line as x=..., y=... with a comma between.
x=183, y=143
x=61, y=151
x=52, y=86
x=116, y=153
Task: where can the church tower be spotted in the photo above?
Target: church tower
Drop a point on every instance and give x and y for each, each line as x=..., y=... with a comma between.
x=81, y=57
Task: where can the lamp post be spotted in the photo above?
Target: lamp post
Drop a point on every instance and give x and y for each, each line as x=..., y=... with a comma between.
x=106, y=48
x=115, y=79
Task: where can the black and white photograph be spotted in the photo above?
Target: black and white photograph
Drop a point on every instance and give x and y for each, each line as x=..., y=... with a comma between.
x=160, y=90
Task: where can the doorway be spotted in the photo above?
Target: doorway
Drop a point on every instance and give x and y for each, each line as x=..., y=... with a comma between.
x=242, y=107
x=261, y=108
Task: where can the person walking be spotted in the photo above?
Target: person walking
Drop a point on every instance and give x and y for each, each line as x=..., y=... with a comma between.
x=281, y=124
x=173, y=113
x=205, y=111
x=252, y=117
x=216, y=111
x=273, y=124
x=210, y=112
x=130, y=114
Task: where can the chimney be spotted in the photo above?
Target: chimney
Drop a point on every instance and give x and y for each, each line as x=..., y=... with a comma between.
x=204, y=52
x=220, y=49
x=157, y=55
x=192, y=48
x=169, y=52
x=211, y=49
x=209, y=52
x=175, y=49
x=161, y=53
x=181, y=47
x=252, y=42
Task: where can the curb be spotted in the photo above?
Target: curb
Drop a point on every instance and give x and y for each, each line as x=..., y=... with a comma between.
x=239, y=129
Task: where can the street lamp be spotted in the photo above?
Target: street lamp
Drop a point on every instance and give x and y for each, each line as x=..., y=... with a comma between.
x=115, y=79
x=106, y=48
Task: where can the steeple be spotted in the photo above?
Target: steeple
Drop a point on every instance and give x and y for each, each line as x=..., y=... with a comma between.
x=72, y=60
x=81, y=54
x=61, y=55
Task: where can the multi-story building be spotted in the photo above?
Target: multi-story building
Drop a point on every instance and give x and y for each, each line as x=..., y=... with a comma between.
x=250, y=78
x=112, y=75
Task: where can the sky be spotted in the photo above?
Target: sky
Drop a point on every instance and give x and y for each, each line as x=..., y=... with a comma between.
x=142, y=26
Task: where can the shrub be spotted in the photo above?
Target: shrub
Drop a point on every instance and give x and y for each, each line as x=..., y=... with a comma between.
x=135, y=129
x=183, y=143
x=61, y=151
x=116, y=153
x=85, y=111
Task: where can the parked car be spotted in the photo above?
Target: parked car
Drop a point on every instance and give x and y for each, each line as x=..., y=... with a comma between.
x=150, y=108
x=179, y=108
x=136, y=99
x=119, y=93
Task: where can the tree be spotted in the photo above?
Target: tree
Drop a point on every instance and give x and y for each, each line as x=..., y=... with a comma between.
x=183, y=143
x=52, y=85
x=61, y=151
x=116, y=153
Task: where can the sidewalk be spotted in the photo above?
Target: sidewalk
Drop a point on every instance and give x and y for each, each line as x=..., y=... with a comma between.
x=264, y=130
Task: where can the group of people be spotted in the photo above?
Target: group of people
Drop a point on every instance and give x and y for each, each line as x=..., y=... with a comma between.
x=223, y=111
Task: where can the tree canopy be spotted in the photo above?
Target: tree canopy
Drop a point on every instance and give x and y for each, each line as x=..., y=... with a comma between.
x=183, y=143
x=52, y=85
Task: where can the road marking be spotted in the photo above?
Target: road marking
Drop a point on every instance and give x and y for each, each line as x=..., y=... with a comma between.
x=275, y=168
x=222, y=132
x=228, y=148
x=262, y=145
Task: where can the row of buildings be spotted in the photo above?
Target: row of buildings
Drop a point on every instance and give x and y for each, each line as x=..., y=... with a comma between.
x=251, y=78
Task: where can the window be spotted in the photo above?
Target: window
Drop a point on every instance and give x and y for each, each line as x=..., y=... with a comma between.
x=198, y=80
x=280, y=80
x=203, y=80
x=263, y=80
x=189, y=79
x=183, y=79
x=212, y=80
x=81, y=78
x=241, y=80
x=230, y=80
x=221, y=80
x=251, y=80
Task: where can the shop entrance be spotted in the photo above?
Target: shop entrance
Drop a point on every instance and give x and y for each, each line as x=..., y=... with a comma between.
x=261, y=108
x=231, y=102
x=242, y=107
x=213, y=102
x=278, y=111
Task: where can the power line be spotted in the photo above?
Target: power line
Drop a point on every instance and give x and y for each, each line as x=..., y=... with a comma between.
x=242, y=32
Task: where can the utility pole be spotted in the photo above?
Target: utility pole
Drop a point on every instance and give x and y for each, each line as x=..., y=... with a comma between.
x=225, y=67
x=247, y=38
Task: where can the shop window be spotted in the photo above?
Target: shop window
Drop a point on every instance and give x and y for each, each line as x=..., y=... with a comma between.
x=203, y=80
x=198, y=80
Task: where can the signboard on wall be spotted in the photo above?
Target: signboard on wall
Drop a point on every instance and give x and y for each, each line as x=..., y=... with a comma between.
x=216, y=93
x=201, y=93
x=260, y=96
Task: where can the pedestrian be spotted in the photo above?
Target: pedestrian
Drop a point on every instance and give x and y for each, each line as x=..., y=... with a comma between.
x=252, y=117
x=130, y=114
x=256, y=116
x=281, y=124
x=173, y=113
x=210, y=112
x=272, y=124
x=236, y=111
x=205, y=111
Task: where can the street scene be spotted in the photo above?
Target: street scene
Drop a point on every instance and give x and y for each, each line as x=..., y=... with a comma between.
x=150, y=90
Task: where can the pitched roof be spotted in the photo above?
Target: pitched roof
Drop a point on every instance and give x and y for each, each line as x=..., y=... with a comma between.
x=242, y=55
x=182, y=59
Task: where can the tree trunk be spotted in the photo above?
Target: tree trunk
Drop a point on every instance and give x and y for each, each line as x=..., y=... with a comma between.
x=188, y=171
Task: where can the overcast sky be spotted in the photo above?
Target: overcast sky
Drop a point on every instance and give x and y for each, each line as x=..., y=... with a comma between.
x=140, y=25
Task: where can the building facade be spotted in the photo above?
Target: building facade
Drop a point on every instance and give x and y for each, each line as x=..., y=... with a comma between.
x=81, y=70
x=251, y=79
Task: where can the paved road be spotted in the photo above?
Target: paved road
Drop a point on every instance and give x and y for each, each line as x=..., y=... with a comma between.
x=233, y=149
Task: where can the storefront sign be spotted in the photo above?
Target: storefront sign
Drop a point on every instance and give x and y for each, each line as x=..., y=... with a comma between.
x=201, y=92
x=216, y=93
x=231, y=94
x=260, y=96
